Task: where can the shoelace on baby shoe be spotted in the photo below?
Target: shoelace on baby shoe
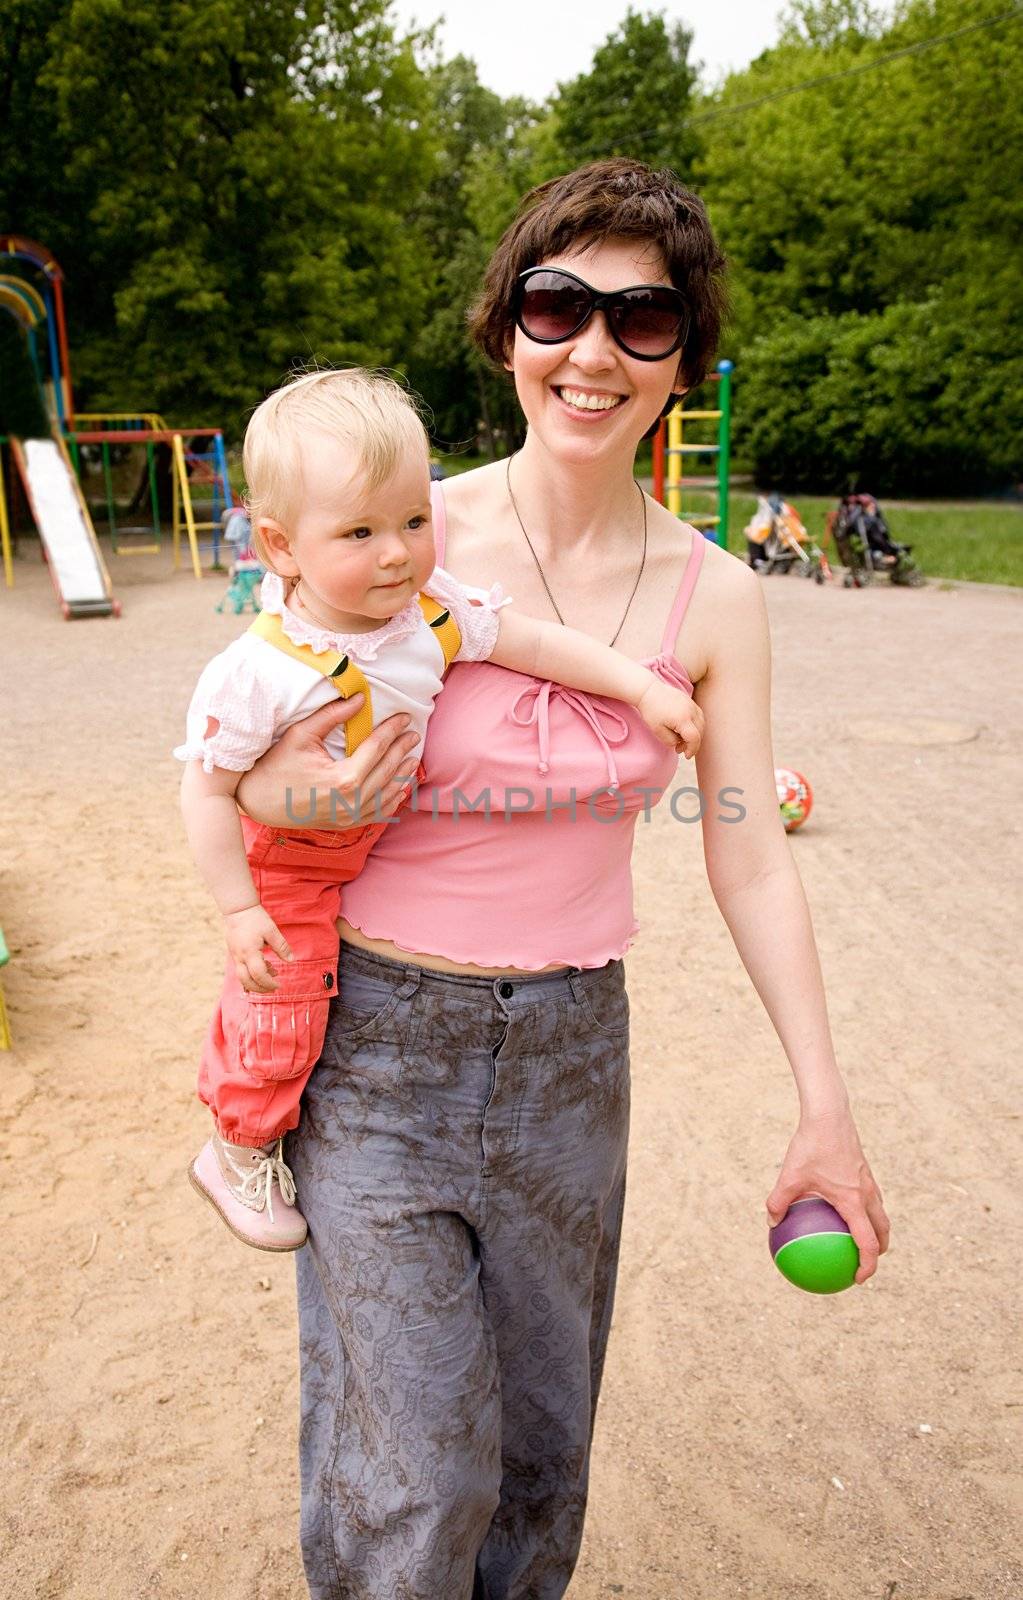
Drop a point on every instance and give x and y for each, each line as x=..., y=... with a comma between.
x=256, y=1187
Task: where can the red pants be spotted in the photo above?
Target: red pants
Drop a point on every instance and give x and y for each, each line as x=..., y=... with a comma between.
x=261, y=1048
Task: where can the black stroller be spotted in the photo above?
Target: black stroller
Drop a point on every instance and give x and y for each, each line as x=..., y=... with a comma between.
x=865, y=545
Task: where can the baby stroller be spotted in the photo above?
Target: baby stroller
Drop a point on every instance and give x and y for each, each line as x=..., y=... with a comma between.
x=778, y=541
x=865, y=545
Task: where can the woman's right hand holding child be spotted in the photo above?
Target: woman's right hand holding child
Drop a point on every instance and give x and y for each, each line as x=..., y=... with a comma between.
x=324, y=792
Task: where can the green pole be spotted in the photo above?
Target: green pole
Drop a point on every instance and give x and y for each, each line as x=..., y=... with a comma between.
x=73, y=443
x=724, y=434
x=110, y=496
x=153, y=499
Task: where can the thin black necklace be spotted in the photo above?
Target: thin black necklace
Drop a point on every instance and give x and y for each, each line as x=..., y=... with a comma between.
x=540, y=570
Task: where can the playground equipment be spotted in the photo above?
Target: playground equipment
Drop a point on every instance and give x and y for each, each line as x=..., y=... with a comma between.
x=673, y=444
x=76, y=566
x=172, y=457
x=43, y=398
x=5, y=1026
x=54, y=452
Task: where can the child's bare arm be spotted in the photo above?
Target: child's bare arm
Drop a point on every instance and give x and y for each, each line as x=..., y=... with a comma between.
x=215, y=836
x=545, y=650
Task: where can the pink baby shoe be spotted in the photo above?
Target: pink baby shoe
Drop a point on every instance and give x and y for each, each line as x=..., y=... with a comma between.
x=254, y=1191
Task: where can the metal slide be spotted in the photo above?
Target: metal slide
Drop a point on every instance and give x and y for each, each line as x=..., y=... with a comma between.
x=76, y=565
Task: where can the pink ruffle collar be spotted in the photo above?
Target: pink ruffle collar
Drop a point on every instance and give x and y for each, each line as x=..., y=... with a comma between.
x=364, y=646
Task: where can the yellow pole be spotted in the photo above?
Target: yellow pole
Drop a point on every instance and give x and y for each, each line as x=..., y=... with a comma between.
x=5, y=529
x=175, y=516
x=181, y=480
x=673, y=476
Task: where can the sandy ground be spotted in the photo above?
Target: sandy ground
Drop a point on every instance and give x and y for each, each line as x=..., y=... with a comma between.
x=752, y=1440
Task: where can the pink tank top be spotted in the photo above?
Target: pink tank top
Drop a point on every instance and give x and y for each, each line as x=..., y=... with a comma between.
x=545, y=878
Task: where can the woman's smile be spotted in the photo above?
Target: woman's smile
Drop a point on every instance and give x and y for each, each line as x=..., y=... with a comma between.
x=588, y=404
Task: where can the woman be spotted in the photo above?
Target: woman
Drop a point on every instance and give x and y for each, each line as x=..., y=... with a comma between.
x=462, y=1150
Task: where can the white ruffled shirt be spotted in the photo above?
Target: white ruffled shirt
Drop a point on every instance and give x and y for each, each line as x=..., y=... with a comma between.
x=250, y=693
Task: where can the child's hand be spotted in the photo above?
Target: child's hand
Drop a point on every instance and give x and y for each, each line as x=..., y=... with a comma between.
x=248, y=932
x=673, y=717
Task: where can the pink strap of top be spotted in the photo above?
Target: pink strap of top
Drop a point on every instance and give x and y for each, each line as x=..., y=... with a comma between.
x=685, y=590
x=440, y=521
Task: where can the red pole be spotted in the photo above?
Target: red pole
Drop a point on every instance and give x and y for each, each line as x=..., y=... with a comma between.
x=65, y=358
x=659, y=462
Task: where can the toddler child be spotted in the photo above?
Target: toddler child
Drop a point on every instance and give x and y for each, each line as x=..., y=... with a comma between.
x=338, y=472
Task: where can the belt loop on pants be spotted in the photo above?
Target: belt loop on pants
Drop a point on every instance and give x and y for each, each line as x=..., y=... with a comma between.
x=575, y=983
x=413, y=978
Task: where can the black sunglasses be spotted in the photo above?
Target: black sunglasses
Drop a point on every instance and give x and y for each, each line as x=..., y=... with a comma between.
x=648, y=322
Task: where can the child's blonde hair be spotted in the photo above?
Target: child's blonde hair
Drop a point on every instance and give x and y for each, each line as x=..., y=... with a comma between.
x=366, y=411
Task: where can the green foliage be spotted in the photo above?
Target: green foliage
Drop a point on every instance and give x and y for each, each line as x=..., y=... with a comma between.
x=22, y=414
x=247, y=175
x=491, y=152
x=234, y=189
x=35, y=199
x=873, y=223
x=634, y=99
x=882, y=400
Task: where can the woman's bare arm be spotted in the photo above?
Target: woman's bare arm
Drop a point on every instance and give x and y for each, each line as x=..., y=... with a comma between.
x=758, y=890
x=297, y=784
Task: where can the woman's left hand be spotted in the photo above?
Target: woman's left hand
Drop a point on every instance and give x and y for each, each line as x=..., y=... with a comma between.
x=825, y=1157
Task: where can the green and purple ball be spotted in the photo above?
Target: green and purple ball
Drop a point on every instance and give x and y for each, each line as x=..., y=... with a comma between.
x=813, y=1248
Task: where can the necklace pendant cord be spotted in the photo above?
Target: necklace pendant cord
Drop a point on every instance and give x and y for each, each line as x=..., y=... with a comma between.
x=539, y=568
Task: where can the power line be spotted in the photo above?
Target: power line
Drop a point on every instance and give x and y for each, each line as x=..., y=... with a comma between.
x=1015, y=11
x=852, y=72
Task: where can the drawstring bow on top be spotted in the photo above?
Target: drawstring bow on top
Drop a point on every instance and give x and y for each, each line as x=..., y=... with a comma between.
x=537, y=696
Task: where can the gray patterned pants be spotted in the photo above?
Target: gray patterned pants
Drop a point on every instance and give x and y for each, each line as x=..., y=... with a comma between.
x=461, y=1163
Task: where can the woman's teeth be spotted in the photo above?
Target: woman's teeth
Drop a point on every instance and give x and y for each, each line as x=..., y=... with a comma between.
x=589, y=402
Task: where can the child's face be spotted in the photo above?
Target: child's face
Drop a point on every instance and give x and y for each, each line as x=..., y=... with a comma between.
x=362, y=554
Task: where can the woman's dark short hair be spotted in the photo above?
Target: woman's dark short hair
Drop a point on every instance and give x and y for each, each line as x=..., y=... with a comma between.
x=613, y=199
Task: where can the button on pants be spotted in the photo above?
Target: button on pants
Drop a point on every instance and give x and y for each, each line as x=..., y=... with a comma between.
x=461, y=1164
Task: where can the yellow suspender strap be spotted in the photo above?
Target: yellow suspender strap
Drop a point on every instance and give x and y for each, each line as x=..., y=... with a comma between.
x=344, y=674
x=342, y=671
x=444, y=627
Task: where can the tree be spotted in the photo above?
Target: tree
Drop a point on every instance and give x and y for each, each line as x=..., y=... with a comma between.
x=635, y=99
x=912, y=395
x=871, y=220
x=245, y=174
x=488, y=159
x=36, y=198
x=21, y=407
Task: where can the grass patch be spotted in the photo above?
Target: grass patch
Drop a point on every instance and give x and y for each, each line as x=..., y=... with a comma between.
x=977, y=543
x=454, y=465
